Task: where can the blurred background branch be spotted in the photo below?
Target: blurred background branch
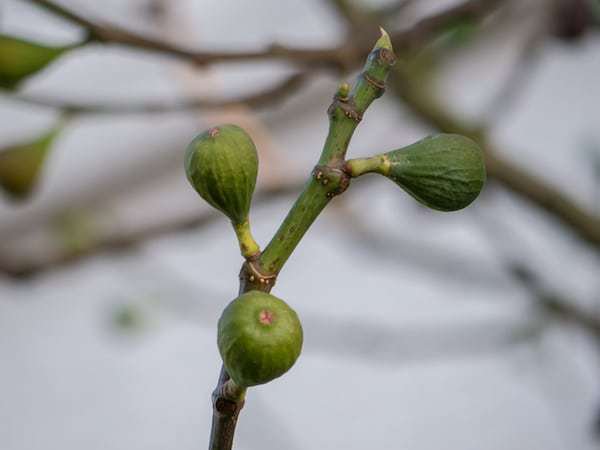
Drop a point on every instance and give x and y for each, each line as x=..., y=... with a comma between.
x=411, y=92
x=347, y=55
x=415, y=283
x=266, y=97
x=417, y=96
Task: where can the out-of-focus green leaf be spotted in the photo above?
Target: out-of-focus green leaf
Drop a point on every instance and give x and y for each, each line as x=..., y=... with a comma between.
x=20, y=59
x=459, y=33
x=424, y=64
x=21, y=165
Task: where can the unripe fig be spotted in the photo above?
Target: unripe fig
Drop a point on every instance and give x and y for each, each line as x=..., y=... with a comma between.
x=259, y=338
x=445, y=172
x=222, y=165
x=20, y=58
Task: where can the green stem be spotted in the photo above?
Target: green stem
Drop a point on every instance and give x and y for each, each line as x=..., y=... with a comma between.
x=248, y=245
x=305, y=210
x=328, y=179
x=375, y=164
x=345, y=113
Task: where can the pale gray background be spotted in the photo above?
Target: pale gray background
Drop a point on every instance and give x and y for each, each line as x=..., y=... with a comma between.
x=418, y=343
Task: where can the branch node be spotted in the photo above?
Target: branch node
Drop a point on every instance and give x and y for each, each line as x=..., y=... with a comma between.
x=334, y=179
x=252, y=274
x=343, y=93
x=378, y=85
x=347, y=107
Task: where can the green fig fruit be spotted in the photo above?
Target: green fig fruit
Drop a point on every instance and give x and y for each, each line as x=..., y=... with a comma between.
x=21, y=165
x=445, y=172
x=20, y=59
x=260, y=338
x=222, y=165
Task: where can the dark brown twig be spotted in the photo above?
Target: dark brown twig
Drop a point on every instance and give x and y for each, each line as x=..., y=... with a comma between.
x=343, y=57
x=111, y=34
x=516, y=179
x=266, y=97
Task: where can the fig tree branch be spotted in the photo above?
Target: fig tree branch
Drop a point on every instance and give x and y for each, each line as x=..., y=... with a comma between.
x=554, y=303
x=111, y=34
x=583, y=223
x=550, y=300
x=344, y=56
x=329, y=177
x=269, y=96
x=438, y=263
x=327, y=180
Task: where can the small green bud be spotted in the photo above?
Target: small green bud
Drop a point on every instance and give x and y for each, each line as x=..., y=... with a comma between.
x=20, y=59
x=343, y=91
x=384, y=40
x=445, y=172
x=21, y=165
x=222, y=165
x=259, y=338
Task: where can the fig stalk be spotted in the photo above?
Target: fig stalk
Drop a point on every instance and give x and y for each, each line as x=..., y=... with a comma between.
x=361, y=166
x=248, y=246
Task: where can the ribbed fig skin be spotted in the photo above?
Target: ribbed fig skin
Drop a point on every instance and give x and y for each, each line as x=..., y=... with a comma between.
x=222, y=165
x=254, y=351
x=445, y=172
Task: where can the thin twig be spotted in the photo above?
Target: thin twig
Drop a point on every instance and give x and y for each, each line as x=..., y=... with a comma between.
x=126, y=241
x=518, y=180
x=111, y=34
x=550, y=199
x=511, y=176
x=345, y=56
x=517, y=78
x=551, y=301
x=518, y=271
x=266, y=97
x=341, y=58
